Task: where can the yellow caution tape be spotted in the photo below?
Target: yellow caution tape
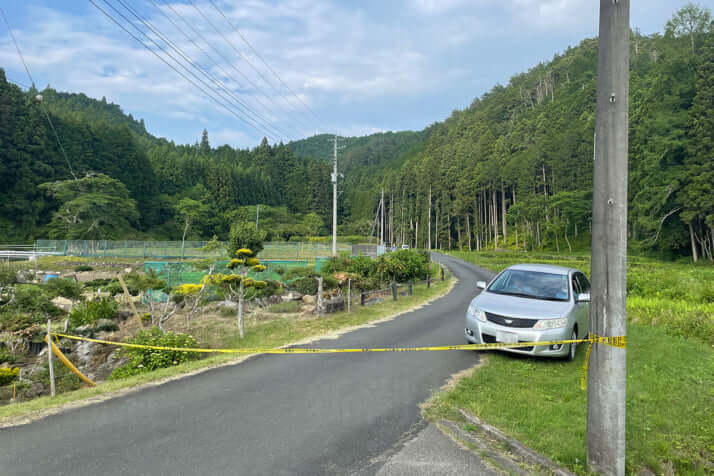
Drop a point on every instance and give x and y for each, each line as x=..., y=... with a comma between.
x=70, y=365
x=618, y=342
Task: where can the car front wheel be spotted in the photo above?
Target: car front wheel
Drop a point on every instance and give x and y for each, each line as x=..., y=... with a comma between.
x=572, y=349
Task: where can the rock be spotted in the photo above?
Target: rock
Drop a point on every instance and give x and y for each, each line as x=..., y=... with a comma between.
x=335, y=304
x=63, y=303
x=35, y=390
x=82, y=328
x=127, y=270
x=104, y=322
x=227, y=305
x=274, y=299
x=291, y=296
x=24, y=276
x=308, y=299
x=308, y=309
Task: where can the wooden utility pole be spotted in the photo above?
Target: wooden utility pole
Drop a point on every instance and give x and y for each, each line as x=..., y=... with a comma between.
x=607, y=378
x=334, y=197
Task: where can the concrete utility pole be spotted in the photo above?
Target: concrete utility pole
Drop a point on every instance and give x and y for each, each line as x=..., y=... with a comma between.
x=334, y=197
x=381, y=218
x=607, y=378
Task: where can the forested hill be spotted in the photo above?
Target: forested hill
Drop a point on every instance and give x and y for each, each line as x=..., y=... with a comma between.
x=518, y=162
x=132, y=185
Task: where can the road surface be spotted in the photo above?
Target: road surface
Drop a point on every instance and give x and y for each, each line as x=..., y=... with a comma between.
x=273, y=414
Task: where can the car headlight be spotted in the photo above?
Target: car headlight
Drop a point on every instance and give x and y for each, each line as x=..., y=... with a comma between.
x=551, y=323
x=476, y=313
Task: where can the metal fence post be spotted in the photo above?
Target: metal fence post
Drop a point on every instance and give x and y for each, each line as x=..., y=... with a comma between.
x=394, y=290
x=441, y=272
x=361, y=297
x=410, y=287
x=428, y=281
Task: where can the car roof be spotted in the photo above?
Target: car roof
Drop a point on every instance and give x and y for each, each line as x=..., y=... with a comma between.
x=543, y=268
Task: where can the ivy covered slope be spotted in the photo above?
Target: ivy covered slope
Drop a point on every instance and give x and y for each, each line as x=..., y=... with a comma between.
x=161, y=185
x=523, y=154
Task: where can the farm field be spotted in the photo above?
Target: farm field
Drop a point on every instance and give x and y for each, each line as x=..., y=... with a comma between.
x=670, y=362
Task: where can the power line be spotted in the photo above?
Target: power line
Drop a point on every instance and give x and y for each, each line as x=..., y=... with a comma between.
x=228, y=61
x=248, y=62
x=197, y=86
x=245, y=40
x=42, y=106
x=216, y=64
x=236, y=101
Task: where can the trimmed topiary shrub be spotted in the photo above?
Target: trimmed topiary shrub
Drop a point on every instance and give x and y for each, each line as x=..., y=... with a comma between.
x=83, y=267
x=7, y=376
x=91, y=311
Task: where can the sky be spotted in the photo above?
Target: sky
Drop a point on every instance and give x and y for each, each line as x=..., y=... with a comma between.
x=294, y=68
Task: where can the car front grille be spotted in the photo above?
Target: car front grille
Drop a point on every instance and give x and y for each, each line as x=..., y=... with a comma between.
x=511, y=321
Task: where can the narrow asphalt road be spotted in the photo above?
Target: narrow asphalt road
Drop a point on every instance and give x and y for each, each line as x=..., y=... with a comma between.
x=274, y=414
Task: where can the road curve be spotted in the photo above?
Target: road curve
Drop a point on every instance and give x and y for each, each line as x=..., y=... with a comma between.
x=274, y=414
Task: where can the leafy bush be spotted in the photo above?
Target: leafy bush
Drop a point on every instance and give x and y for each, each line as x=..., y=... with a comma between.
x=363, y=266
x=83, y=267
x=12, y=321
x=336, y=264
x=271, y=288
x=305, y=285
x=306, y=272
x=147, y=360
x=35, y=299
x=285, y=307
x=99, y=283
x=66, y=288
x=404, y=265
x=7, y=275
x=90, y=312
x=6, y=356
x=7, y=376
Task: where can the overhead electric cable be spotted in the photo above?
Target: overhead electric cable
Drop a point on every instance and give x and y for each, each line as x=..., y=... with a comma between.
x=194, y=84
x=42, y=106
x=244, y=103
x=230, y=43
x=236, y=101
x=245, y=40
x=228, y=61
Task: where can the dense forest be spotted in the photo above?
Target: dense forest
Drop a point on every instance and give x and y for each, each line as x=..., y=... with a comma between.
x=107, y=178
x=515, y=167
x=512, y=169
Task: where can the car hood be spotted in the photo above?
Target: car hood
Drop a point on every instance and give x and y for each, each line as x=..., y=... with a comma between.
x=514, y=306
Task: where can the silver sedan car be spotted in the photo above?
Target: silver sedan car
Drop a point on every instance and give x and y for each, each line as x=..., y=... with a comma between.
x=531, y=303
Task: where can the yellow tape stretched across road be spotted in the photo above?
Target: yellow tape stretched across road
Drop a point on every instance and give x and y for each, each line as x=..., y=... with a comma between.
x=618, y=341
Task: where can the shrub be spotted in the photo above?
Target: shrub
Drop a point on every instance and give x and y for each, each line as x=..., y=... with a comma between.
x=404, y=265
x=306, y=272
x=6, y=357
x=285, y=307
x=35, y=299
x=7, y=376
x=363, y=266
x=12, y=321
x=91, y=311
x=147, y=360
x=83, y=267
x=99, y=283
x=66, y=288
x=306, y=285
x=271, y=288
x=7, y=275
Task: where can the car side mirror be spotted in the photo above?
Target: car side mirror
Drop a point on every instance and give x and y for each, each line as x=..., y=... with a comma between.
x=481, y=284
x=584, y=297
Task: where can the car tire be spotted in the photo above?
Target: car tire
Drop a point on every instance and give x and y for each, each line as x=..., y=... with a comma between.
x=572, y=348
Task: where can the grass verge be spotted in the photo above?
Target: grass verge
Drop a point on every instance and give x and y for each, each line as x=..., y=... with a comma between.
x=276, y=333
x=670, y=393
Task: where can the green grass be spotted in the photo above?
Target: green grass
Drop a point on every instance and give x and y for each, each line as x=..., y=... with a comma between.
x=285, y=307
x=670, y=366
x=269, y=334
x=670, y=394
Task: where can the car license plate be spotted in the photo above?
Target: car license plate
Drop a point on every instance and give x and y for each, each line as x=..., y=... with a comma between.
x=506, y=337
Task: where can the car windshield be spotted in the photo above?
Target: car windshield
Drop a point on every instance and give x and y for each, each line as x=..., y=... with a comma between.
x=531, y=284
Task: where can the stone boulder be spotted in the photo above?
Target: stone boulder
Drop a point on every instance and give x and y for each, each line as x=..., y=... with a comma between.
x=291, y=296
x=308, y=309
x=62, y=303
x=24, y=276
x=309, y=299
x=227, y=305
